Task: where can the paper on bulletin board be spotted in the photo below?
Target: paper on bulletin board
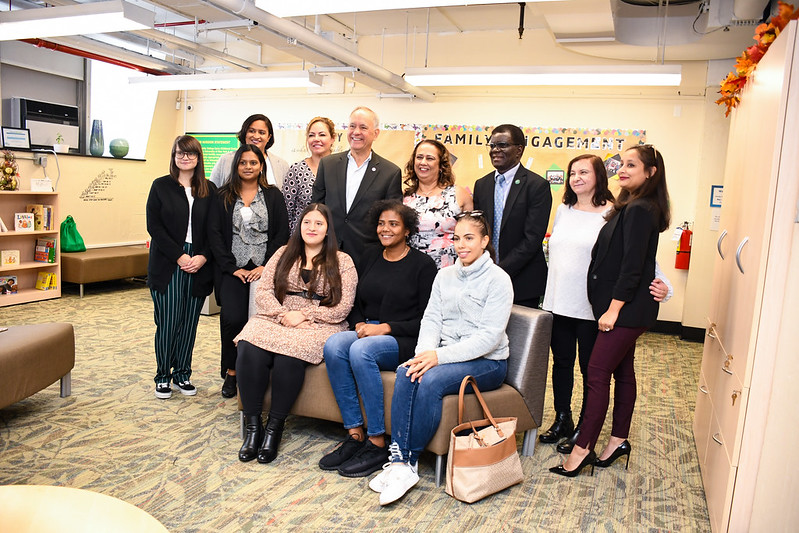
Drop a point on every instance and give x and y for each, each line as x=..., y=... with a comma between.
x=715, y=218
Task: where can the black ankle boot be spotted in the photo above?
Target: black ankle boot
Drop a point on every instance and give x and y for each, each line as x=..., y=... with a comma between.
x=565, y=446
x=253, y=434
x=272, y=435
x=562, y=427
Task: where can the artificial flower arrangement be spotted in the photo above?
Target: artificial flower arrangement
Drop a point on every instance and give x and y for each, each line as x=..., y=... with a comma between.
x=746, y=63
x=8, y=172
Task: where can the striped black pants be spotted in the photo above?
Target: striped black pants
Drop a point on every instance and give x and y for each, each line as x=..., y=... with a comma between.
x=176, y=314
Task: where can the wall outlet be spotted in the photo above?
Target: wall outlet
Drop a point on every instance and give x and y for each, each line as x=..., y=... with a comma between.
x=40, y=159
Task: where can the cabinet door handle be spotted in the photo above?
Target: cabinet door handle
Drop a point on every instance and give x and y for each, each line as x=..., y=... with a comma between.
x=710, y=333
x=738, y=254
x=703, y=389
x=715, y=438
x=724, y=368
x=718, y=243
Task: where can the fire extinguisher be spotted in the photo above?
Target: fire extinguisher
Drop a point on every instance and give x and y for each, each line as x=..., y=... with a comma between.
x=684, y=248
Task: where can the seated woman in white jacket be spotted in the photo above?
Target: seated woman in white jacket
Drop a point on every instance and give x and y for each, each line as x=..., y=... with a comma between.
x=462, y=333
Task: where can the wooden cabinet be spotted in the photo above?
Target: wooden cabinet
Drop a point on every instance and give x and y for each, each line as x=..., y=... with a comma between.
x=737, y=413
x=28, y=270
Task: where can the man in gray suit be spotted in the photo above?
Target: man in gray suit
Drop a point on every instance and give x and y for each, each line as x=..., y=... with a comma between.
x=350, y=182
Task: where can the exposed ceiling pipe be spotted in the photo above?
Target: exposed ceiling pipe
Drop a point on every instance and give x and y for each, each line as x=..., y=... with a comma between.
x=173, y=24
x=320, y=44
x=41, y=43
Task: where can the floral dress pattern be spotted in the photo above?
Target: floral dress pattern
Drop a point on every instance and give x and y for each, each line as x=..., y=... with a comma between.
x=436, y=225
x=297, y=190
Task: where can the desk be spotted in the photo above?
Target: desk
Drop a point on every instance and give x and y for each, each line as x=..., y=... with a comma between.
x=45, y=509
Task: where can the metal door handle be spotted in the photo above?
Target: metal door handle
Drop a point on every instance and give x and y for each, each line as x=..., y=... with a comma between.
x=715, y=438
x=738, y=254
x=702, y=388
x=724, y=368
x=718, y=243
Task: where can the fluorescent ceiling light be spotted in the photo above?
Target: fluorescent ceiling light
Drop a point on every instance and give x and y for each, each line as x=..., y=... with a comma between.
x=623, y=75
x=297, y=8
x=245, y=80
x=78, y=19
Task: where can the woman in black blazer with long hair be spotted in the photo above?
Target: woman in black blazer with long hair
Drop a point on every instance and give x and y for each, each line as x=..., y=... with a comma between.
x=249, y=223
x=179, y=272
x=622, y=266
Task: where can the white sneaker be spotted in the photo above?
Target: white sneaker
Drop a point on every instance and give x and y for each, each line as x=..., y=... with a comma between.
x=378, y=483
x=398, y=480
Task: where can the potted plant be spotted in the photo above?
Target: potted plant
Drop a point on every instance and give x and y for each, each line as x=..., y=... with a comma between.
x=59, y=145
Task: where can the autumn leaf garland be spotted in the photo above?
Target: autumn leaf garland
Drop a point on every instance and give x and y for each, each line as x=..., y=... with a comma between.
x=746, y=63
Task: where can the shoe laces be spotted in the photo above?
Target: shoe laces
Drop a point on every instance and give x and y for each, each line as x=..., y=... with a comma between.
x=396, y=453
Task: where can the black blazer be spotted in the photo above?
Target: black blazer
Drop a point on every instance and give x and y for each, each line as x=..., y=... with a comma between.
x=167, y=224
x=220, y=231
x=381, y=181
x=403, y=300
x=623, y=265
x=521, y=234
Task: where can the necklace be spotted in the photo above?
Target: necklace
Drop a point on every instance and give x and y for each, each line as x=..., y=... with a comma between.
x=428, y=192
x=404, y=253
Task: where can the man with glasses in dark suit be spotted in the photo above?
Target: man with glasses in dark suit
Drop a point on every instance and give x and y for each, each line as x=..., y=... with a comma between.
x=516, y=203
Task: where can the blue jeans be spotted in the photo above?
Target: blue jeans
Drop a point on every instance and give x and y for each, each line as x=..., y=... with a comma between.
x=416, y=406
x=354, y=365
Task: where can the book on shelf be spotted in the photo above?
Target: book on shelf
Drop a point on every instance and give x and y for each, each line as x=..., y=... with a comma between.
x=38, y=215
x=53, y=284
x=8, y=284
x=43, y=280
x=49, y=225
x=23, y=222
x=9, y=258
x=45, y=250
x=3, y=226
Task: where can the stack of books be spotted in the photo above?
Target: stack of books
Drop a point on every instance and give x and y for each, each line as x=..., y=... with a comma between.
x=46, y=281
x=42, y=216
x=45, y=250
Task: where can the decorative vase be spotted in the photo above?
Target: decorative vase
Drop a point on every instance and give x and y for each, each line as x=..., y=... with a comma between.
x=118, y=147
x=96, y=143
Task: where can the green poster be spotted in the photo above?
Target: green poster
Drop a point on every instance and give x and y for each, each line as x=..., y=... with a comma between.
x=214, y=145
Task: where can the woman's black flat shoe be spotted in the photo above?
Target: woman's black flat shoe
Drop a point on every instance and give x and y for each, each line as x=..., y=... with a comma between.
x=623, y=449
x=229, y=386
x=590, y=459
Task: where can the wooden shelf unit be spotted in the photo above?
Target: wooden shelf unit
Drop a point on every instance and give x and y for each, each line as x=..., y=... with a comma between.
x=25, y=241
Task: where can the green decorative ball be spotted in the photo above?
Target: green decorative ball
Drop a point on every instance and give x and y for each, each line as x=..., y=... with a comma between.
x=119, y=147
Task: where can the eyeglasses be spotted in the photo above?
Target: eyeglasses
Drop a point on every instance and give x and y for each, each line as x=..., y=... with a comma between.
x=471, y=214
x=500, y=145
x=188, y=155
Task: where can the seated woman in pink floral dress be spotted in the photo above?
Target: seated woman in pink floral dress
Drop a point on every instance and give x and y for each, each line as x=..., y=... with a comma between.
x=306, y=292
x=432, y=193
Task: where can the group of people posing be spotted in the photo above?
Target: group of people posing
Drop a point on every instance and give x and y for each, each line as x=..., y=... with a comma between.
x=349, y=267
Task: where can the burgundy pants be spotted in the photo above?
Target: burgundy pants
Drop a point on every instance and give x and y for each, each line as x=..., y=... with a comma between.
x=613, y=354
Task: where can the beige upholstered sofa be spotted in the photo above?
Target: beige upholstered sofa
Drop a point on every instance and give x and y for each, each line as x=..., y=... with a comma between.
x=522, y=394
x=104, y=264
x=34, y=357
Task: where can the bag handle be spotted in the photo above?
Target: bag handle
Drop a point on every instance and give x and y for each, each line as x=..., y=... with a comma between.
x=486, y=412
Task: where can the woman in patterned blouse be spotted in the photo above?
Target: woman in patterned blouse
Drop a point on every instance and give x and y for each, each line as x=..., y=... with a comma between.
x=298, y=184
x=431, y=192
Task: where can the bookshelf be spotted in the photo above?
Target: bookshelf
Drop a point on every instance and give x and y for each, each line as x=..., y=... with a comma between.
x=28, y=270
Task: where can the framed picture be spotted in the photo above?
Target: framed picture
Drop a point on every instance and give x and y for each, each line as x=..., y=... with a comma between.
x=16, y=138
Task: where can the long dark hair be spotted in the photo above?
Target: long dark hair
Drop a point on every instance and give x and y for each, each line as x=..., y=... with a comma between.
x=445, y=175
x=653, y=190
x=325, y=264
x=242, y=135
x=188, y=144
x=232, y=189
x=478, y=219
x=602, y=194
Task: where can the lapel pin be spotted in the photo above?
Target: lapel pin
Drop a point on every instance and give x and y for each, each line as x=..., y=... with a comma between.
x=374, y=169
x=518, y=182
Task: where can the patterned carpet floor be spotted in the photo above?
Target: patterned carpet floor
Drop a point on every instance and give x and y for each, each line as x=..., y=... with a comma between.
x=176, y=458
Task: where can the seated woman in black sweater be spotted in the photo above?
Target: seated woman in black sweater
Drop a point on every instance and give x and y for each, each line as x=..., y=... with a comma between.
x=394, y=283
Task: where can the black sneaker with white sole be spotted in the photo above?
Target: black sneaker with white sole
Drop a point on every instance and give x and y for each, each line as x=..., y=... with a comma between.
x=163, y=391
x=186, y=388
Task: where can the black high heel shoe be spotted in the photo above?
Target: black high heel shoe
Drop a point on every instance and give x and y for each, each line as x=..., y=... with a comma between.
x=590, y=459
x=253, y=434
x=273, y=433
x=623, y=449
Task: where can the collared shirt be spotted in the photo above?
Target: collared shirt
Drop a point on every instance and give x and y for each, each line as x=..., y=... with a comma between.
x=509, y=175
x=355, y=176
x=270, y=174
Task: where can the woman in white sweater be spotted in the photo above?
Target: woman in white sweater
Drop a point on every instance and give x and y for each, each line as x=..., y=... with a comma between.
x=462, y=333
x=574, y=328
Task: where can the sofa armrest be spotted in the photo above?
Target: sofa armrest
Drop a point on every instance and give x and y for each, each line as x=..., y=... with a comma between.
x=529, y=334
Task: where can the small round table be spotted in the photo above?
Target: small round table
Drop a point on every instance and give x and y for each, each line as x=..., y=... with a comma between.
x=44, y=509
